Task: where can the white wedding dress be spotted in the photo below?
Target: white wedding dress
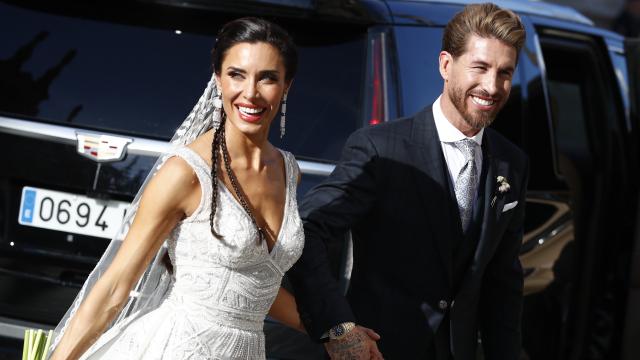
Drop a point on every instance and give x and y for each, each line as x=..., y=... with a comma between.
x=221, y=289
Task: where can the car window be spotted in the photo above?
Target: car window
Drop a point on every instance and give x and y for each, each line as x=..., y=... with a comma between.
x=576, y=75
x=420, y=81
x=122, y=77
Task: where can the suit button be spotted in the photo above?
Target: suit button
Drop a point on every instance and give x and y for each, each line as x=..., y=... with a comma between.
x=443, y=304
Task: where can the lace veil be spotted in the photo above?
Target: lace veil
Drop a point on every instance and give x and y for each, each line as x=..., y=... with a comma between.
x=154, y=282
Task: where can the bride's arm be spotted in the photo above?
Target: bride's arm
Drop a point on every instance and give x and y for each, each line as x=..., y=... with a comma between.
x=285, y=310
x=166, y=199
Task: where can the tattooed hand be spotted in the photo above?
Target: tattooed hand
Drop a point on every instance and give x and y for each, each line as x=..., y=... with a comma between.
x=358, y=344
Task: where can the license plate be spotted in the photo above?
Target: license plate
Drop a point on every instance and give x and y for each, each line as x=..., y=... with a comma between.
x=70, y=213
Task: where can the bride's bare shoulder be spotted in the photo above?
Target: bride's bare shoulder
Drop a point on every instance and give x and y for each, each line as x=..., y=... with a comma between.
x=174, y=186
x=176, y=174
x=202, y=146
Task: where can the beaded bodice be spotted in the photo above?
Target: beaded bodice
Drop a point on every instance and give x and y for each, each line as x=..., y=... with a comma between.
x=221, y=288
x=233, y=279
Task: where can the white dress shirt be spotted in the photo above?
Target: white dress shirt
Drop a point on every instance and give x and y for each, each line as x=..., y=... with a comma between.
x=448, y=135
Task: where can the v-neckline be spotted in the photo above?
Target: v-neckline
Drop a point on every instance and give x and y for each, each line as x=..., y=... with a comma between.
x=228, y=192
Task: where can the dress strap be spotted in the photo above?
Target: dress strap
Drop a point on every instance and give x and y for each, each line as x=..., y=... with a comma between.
x=195, y=161
x=292, y=168
x=203, y=172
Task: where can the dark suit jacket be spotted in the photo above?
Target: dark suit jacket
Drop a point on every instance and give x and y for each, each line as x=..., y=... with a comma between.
x=391, y=189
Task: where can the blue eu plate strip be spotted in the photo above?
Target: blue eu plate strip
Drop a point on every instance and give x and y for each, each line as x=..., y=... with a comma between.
x=28, y=205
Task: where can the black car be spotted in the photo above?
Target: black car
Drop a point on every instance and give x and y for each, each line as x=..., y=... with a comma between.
x=90, y=92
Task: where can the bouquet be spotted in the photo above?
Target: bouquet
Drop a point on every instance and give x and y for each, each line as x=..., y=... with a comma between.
x=36, y=343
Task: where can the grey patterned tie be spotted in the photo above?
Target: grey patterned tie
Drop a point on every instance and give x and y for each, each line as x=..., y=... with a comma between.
x=466, y=181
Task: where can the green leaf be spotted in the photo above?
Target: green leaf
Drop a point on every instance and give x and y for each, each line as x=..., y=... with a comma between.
x=47, y=344
x=25, y=345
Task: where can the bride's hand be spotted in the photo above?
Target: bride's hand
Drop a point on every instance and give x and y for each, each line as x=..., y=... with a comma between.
x=358, y=344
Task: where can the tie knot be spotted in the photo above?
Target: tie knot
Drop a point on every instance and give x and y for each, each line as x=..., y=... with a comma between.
x=467, y=147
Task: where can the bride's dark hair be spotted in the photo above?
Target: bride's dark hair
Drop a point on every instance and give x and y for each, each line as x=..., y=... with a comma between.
x=254, y=30
x=245, y=30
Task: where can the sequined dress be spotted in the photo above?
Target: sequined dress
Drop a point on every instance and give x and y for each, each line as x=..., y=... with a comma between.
x=221, y=289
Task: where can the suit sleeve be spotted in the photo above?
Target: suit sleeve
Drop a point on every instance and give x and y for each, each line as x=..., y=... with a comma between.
x=502, y=290
x=328, y=211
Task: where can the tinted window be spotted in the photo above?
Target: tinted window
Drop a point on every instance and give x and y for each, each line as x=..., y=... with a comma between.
x=99, y=74
x=574, y=80
x=119, y=76
x=324, y=106
x=567, y=105
x=420, y=81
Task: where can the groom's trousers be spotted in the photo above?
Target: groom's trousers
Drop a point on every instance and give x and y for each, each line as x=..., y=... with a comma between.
x=440, y=347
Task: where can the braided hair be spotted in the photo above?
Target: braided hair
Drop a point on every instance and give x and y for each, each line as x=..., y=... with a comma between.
x=219, y=146
x=215, y=150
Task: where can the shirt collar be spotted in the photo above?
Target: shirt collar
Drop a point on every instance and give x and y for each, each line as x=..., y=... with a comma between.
x=446, y=131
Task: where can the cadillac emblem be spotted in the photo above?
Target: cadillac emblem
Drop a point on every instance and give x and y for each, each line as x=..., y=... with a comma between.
x=102, y=148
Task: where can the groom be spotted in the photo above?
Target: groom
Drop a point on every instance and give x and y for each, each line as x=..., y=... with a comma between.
x=435, y=204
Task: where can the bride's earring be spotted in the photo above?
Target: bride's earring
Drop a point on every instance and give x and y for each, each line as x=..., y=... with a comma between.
x=283, y=115
x=217, y=100
x=216, y=115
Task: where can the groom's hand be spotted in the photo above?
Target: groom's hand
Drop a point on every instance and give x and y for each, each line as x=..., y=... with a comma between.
x=358, y=344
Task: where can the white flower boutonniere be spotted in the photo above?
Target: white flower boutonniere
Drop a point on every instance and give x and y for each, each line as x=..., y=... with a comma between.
x=503, y=188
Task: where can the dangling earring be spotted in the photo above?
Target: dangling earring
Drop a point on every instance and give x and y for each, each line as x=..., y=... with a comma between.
x=216, y=115
x=283, y=115
x=217, y=100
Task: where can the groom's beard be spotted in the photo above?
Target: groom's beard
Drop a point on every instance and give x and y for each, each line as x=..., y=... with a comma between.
x=476, y=119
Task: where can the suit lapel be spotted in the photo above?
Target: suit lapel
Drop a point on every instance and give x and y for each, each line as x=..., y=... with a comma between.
x=429, y=160
x=493, y=202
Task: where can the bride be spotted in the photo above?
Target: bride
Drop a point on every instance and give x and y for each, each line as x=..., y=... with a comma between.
x=198, y=263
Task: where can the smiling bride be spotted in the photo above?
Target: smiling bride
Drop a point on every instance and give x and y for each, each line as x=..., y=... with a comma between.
x=198, y=263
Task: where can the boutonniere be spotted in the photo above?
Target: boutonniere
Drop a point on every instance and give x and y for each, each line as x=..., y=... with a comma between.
x=503, y=188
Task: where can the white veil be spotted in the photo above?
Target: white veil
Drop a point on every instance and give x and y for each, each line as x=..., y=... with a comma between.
x=153, y=284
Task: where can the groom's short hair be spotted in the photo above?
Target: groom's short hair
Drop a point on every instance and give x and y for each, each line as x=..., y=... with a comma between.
x=485, y=20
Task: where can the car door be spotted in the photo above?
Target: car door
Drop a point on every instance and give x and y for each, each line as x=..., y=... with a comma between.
x=580, y=143
x=631, y=347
